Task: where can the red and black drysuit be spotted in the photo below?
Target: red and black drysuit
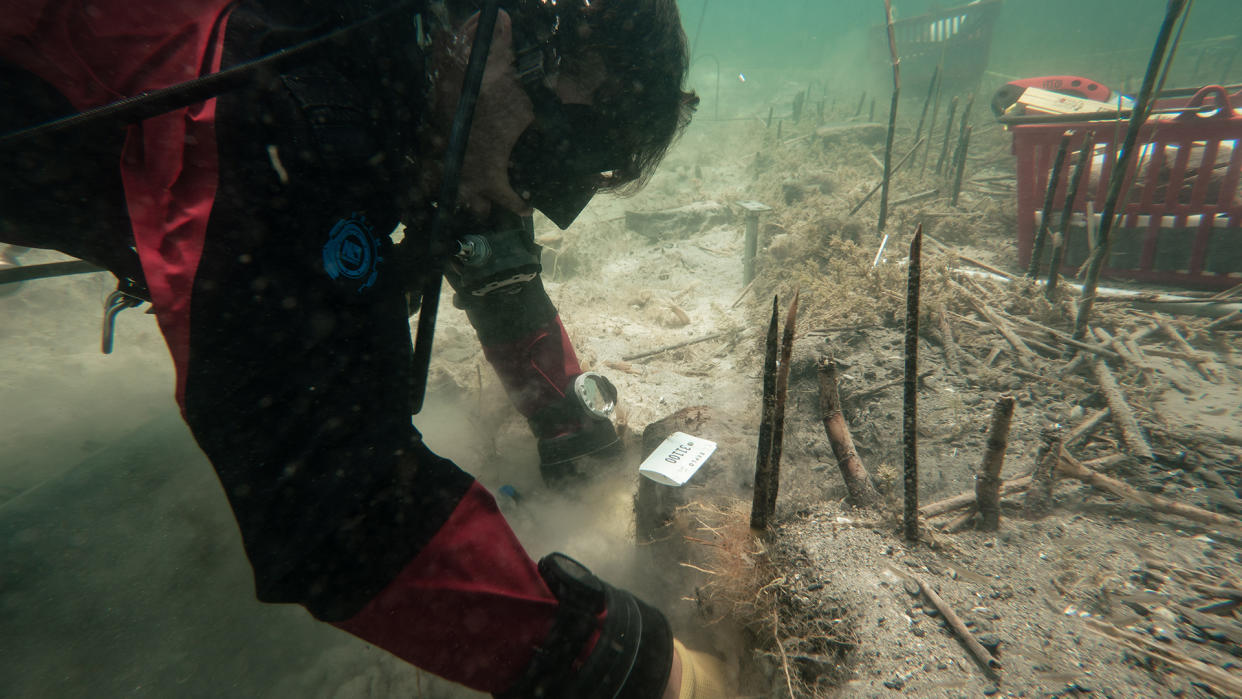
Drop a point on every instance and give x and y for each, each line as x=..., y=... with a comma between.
x=260, y=220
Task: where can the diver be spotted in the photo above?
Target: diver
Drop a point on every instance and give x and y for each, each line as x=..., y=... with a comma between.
x=254, y=214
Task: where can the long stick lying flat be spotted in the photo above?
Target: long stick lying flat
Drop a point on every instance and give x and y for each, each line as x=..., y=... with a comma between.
x=1009, y=487
x=675, y=345
x=1123, y=417
x=1070, y=466
x=963, y=634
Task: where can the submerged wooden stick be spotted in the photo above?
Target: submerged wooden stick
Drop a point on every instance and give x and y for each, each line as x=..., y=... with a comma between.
x=857, y=480
x=1120, y=169
x=1009, y=487
x=961, y=164
x=1123, y=417
x=1067, y=212
x=948, y=129
x=952, y=352
x=896, y=167
x=782, y=389
x=987, y=486
x=1041, y=235
x=972, y=644
x=909, y=422
x=892, y=117
x=759, y=513
x=1204, y=368
x=1070, y=466
x=1085, y=427
x=1039, y=494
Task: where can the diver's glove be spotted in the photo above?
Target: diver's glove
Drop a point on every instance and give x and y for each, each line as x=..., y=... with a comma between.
x=577, y=425
x=702, y=676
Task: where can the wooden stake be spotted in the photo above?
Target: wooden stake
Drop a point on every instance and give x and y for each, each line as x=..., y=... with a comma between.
x=961, y=164
x=1123, y=417
x=857, y=480
x=948, y=129
x=987, y=487
x=1117, y=180
x=759, y=513
x=892, y=117
x=1041, y=235
x=1039, y=494
x=931, y=90
x=909, y=423
x=782, y=389
x=1067, y=213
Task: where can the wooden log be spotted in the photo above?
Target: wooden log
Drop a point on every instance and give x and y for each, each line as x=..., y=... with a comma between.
x=1039, y=495
x=1123, y=417
x=1073, y=468
x=972, y=644
x=857, y=481
x=948, y=129
x=987, y=486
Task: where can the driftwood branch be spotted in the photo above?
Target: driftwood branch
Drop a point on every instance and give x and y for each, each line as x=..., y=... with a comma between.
x=857, y=480
x=987, y=487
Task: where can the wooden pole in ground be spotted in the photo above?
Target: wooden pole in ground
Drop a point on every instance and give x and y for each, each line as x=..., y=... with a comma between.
x=1120, y=168
x=763, y=465
x=857, y=480
x=778, y=417
x=964, y=146
x=1123, y=417
x=910, y=420
x=931, y=89
x=948, y=129
x=931, y=127
x=1041, y=235
x=987, y=487
x=892, y=117
x=1039, y=494
x=1067, y=213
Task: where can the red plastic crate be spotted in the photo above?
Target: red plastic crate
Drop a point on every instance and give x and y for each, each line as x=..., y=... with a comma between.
x=1181, y=223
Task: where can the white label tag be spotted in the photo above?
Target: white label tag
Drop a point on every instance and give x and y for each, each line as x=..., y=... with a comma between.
x=677, y=459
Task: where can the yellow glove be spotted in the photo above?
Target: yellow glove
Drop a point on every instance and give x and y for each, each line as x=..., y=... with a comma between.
x=702, y=675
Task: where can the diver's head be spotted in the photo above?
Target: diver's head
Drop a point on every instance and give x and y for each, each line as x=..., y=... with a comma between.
x=579, y=96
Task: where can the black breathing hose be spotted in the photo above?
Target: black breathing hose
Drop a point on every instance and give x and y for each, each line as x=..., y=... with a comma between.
x=438, y=244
